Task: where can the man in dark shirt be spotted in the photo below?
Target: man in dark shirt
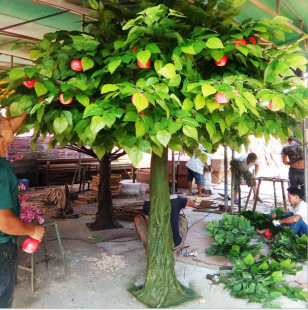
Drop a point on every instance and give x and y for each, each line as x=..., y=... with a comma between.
x=178, y=223
x=10, y=224
x=292, y=155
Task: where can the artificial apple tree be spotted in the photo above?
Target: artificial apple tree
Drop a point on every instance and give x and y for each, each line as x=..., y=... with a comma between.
x=172, y=80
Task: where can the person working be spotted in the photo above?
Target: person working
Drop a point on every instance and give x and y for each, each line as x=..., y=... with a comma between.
x=296, y=215
x=10, y=224
x=240, y=166
x=207, y=174
x=195, y=170
x=292, y=155
x=178, y=223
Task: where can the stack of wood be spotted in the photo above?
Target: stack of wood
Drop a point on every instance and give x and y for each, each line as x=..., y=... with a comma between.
x=218, y=164
x=56, y=196
x=87, y=197
x=38, y=200
x=115, y=180
x=127, y=212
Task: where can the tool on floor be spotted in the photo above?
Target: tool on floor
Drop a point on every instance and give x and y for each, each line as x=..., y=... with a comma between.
x=180, y=250
x=192, y=253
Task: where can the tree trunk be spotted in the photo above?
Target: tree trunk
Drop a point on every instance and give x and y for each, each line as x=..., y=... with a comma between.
x=161, y=288
x=104, y=215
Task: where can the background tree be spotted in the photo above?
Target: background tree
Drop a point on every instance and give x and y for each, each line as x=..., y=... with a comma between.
x=170, y=80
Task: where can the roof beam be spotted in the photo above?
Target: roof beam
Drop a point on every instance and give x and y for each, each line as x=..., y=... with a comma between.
x=19, y=36
x=33, y=20
x=266, y=9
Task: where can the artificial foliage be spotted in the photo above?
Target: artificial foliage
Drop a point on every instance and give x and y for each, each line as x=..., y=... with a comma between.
x=288, y=246
x=148, y=83
x=232, y=236
x=262, y=280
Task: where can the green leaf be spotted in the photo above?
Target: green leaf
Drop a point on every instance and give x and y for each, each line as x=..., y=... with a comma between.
x=153, y=48
x=108, y=88
x=212, y=105
x=144, y=56
x=208, y=90
x=87, y=63
x=68, y=115
x=242, y=128
x=278, y=102
x=60, y=124
x=277, y=276
x=97, y=124
x=187, y=104
x=140, y=129
x=30, y=72
x=144, y=146
x=93, y=109
x=94, y=4
x=174, y=127
x=130, y=116
x=158, y=150
x=188, y=49
x=99, y=150
x=40, y=114
x=190, y=132
x=199, y=102
x=218, y=54
x=168, y=71
x=249, y=260
x=16, y=74
x=40, y=89
x=211, y=128
x=264, y=266
x=190, y=122
x=109, y=119
x=141, y=101
x=240, y=104
x=214, y=43
x=134, y=153
x=83, y=99
x=251, y=98
x=237, y=3
x=113, y=65
x=175, y=81
x=163, y=137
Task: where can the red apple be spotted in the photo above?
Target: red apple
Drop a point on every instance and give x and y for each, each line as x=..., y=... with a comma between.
x=141, y=65
x=76, y=65
x=253, y=40
x=267, y=233
x=29, y=84
x=30, y=245
x=142, y=112
x=134, y=49
x=133, y=100
x=223, y=60
x=41, y=100
x=61, y=98
x=240, y=41
x=220, y=98
x=271, y=107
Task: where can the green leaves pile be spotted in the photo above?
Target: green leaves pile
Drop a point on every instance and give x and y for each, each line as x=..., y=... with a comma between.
x=175, y=104
x=286, y=245
x=232, y=237
x=262, y=280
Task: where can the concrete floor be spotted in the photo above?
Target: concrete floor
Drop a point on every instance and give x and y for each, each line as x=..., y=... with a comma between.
x=100, y=273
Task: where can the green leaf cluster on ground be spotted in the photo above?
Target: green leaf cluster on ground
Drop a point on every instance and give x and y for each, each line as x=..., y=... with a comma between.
x=232, y=236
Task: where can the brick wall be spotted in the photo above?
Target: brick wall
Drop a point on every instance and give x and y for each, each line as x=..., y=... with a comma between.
x=21, y=147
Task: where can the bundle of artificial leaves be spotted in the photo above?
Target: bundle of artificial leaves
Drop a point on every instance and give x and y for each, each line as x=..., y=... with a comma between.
x=232, y=237
x=262, y=281
x=287, y=245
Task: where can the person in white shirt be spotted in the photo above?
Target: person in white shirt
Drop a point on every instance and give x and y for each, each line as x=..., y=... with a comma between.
x=207, y=174
x=296, y=215
x=241, y=165
x=195, y=170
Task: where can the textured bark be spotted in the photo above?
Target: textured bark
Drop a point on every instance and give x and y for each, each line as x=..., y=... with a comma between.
x=161, y=288
x=104, y=218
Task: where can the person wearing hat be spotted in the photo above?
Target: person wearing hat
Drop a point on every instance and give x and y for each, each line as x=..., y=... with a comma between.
x=293, y=156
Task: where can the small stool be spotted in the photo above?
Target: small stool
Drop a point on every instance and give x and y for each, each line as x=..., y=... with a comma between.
x=274, y=180
x=47, y=257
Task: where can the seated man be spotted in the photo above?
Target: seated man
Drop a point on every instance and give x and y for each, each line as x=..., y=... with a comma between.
x=241, y=166
x=296, y=215
x=178, y=223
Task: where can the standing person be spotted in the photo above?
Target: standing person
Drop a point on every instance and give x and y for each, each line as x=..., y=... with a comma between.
x=293, y=155
x=207, y=174
x=296, y=215
x=241, y=166
x=195, y=170
x=179, y=224
x=10, y=224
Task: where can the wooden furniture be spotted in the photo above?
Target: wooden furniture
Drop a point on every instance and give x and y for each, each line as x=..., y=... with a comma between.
x=269, y=179
x=47, y=257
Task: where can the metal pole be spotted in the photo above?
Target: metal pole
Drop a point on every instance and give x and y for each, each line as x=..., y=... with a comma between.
x=278, y=7
x=134, y=175
x=79, y=168
x=232, y=184
x=82, y=23
x=173, y=175
x=226, y=176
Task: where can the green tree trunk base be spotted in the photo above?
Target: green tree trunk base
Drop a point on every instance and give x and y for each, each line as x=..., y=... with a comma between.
x=166, y=297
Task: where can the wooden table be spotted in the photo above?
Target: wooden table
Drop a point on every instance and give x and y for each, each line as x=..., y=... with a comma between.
x=274, y=180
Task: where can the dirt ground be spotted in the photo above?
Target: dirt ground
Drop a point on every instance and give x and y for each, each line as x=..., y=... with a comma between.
x=100, y=274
